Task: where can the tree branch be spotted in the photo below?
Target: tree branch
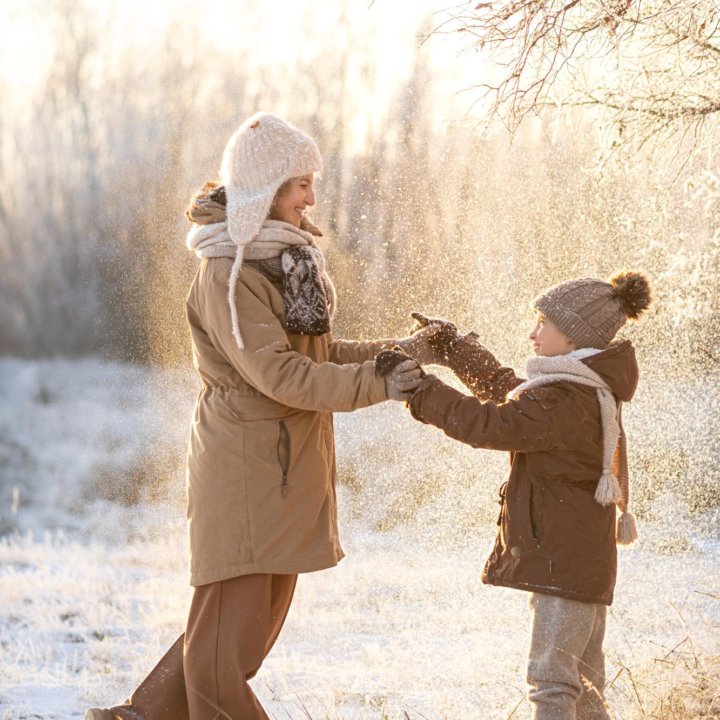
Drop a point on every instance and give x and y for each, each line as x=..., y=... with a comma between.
x=666, y=67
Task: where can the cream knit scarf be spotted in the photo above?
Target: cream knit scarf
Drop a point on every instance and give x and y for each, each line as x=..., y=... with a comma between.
x=274, y=238
x=613, y=486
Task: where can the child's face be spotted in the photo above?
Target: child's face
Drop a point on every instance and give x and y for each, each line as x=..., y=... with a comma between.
x=547, y=340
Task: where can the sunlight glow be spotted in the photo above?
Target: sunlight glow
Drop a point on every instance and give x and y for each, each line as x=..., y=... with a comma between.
x=285, y=42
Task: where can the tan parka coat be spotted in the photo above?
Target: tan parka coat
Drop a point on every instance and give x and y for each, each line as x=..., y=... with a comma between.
x=261, y=462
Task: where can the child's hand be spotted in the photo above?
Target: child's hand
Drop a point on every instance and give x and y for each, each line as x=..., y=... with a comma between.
x=431, y=339
x=420, y=347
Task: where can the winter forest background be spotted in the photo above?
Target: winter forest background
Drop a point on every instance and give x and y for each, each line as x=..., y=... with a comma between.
x=473, y=156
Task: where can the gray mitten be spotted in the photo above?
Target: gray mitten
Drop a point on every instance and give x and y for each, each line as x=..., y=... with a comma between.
x=402, y=374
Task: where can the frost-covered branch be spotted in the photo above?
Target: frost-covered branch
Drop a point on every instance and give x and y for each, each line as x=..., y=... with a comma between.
x=655, y=64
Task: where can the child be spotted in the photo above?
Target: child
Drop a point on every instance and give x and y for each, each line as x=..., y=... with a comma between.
x=557, y=526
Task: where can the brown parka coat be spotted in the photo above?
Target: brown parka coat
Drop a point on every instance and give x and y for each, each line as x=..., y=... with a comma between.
x=261, y=462
x=553, y=536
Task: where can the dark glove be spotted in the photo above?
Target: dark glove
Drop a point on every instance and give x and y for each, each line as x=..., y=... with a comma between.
x=444, y=336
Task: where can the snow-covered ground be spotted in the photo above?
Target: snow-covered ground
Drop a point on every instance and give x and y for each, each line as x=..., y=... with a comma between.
x=93, y=569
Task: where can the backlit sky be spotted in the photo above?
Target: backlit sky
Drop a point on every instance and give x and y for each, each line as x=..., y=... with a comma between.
x=274, y=33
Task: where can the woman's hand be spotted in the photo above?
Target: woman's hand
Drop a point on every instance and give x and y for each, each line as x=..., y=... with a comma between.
x=403, y=380
x=402, y=374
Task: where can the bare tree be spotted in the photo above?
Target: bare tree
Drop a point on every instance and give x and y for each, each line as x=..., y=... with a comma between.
x=654, y=64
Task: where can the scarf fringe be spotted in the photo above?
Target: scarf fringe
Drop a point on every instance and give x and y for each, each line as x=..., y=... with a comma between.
x=608, y=490
x=568, y=368
x=626, y=531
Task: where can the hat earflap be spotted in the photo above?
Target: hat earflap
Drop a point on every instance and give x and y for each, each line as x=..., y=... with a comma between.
x=232, y=283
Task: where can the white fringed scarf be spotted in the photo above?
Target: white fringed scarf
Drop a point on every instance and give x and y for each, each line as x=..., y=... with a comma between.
x=613, y=486
x=275, y=236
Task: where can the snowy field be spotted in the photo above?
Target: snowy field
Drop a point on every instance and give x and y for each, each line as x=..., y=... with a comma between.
x=93, y=568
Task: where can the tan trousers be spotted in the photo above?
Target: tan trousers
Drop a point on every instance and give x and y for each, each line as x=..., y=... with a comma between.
x=231, y=628
x=566, y=664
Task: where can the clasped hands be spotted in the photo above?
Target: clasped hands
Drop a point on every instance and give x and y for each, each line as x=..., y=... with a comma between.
x=429, y=343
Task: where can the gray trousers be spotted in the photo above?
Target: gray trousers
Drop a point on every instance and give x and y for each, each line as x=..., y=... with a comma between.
x=566, y=665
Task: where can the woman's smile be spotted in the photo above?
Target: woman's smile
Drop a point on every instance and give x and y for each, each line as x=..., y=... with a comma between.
x=298, y=189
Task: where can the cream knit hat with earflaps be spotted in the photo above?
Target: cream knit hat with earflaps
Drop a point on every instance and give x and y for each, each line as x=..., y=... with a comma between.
x=262, y=154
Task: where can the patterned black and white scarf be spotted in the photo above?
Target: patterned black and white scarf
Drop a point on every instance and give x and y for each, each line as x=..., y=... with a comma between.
x=282, y=252
x=308, y=293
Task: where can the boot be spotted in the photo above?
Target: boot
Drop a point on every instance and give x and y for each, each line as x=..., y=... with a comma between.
x=98, y=714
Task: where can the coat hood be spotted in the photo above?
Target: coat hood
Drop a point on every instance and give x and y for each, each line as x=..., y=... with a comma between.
x=617, y=366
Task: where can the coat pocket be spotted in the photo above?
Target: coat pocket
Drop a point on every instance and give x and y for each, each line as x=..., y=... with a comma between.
x=266, y=463
x=536, y=511
x=502, y=493
x=283, y=453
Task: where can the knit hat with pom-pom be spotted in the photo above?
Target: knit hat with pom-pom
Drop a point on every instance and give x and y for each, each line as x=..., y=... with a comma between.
x=590, y=312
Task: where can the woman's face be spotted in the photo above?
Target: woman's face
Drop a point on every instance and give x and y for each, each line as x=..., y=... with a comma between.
x=548, y=340
x=292, y=199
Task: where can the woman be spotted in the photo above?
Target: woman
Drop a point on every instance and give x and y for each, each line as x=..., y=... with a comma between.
x=261, y=463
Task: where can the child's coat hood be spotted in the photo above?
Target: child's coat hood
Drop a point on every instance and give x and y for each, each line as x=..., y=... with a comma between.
x=617, y=366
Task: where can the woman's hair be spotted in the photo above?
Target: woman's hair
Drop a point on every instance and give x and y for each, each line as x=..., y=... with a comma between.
x=280, y=190
x=210, y=191
x=215, y=192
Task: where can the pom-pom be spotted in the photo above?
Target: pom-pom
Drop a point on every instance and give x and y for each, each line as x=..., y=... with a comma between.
x=633, y=290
